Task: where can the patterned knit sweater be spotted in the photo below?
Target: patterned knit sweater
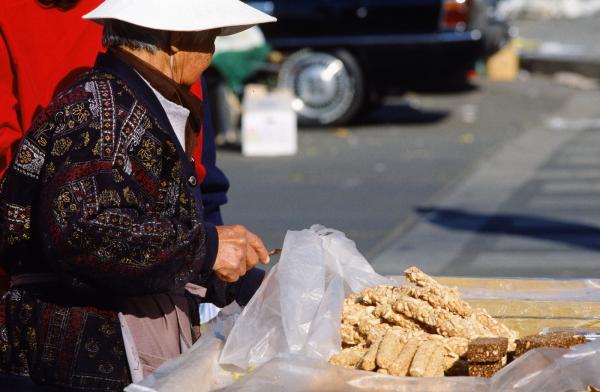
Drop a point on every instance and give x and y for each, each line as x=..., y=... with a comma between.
x=101, y=199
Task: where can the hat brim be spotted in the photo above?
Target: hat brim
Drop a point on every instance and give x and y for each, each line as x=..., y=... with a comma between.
x=231, y=16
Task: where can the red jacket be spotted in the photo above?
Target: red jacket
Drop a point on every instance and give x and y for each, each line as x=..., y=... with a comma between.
x=42, y=50
x=38, y=47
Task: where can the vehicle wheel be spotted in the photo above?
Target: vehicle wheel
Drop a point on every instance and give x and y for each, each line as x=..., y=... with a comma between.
x=329, y=87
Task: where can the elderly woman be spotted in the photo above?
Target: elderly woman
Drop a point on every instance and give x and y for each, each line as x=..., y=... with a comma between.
x=29, y=78
x=101, y=219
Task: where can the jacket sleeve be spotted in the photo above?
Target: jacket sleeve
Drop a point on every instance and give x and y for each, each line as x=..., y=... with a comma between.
x=222, y=294
x=10, y=128
x=215, y=185
x=101, y=231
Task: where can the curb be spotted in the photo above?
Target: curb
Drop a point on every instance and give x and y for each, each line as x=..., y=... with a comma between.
x=551, y=64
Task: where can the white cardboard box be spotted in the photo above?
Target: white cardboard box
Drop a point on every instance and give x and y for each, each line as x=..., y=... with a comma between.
x=269, y=124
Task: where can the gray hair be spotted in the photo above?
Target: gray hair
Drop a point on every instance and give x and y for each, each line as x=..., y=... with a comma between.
x=119, y=33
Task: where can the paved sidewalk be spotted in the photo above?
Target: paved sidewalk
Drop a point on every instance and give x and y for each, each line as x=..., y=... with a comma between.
x=571, y=45
x=532, y=210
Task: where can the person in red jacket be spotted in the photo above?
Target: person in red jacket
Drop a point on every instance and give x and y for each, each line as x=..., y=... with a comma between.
x=44, y=46
x=41, y=47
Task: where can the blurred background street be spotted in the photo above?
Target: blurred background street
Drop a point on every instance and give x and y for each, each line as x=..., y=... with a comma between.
x=496, y=178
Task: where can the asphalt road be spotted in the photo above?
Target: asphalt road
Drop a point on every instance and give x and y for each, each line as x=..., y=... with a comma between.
x=405, y=169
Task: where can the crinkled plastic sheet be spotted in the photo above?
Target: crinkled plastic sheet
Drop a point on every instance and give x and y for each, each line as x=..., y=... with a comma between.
x=291, y=327
x=545, y=370
x=302, y=374
x=539, y=370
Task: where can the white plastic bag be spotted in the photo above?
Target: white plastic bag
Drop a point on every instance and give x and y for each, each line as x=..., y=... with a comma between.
x=297, y=309
x=291, y=327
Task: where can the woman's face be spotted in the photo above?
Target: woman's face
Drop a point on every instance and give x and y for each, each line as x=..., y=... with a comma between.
x=192, y=54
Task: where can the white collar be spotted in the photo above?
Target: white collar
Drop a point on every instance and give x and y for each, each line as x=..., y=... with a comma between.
x=177, y=114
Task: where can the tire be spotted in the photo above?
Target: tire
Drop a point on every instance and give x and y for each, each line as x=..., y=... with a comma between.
x=323, y=99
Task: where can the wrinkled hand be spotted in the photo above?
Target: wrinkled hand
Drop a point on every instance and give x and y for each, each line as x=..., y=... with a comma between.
x=239, y=251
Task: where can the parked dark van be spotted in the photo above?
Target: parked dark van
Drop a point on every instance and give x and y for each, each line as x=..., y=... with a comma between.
x=345, y=55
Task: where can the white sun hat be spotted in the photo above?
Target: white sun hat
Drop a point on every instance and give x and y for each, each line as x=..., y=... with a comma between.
x=232, y=16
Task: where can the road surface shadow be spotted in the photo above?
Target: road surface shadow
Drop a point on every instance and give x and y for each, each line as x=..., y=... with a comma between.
x=401, y=114
x=445, y=88
x=229, y=146
x=530, y=226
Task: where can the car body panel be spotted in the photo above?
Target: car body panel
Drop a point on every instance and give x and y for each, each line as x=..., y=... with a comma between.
x=312, y=18
x=401, y=32
x=394, y=17
x=397, y=44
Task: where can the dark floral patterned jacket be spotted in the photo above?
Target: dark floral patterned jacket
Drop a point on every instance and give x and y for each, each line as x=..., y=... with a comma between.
x=100, y=203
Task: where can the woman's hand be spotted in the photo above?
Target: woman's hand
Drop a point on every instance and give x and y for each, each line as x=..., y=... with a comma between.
x=239, y=251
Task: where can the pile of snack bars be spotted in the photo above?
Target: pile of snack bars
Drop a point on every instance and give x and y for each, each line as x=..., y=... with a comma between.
x=426, y=330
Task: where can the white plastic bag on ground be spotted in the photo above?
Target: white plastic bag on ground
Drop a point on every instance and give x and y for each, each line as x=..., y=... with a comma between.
x=297, y=309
